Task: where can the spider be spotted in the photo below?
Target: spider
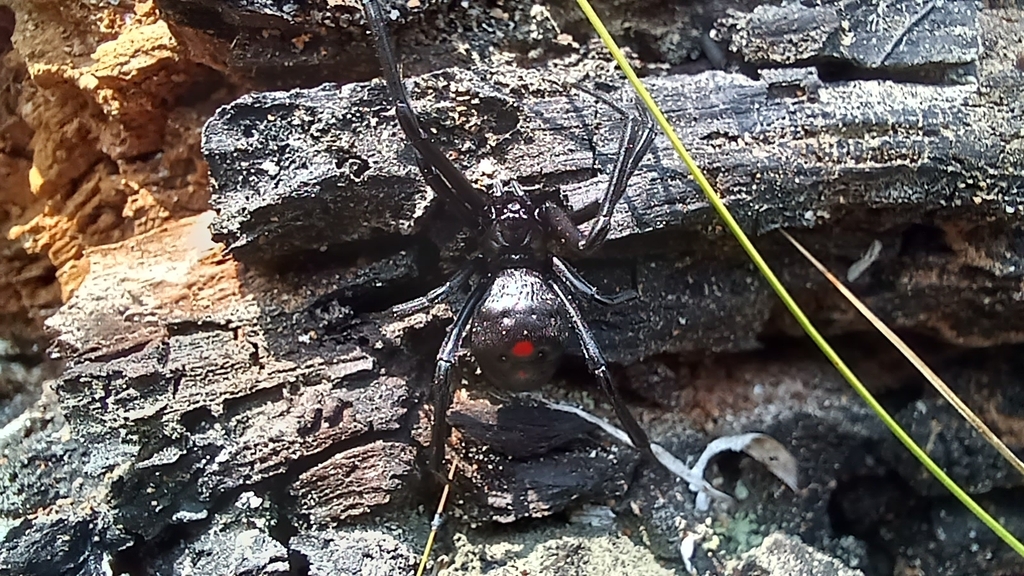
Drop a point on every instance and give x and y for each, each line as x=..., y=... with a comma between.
x=516, y=313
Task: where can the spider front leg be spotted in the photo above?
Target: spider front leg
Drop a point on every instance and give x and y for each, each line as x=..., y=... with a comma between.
x=442, y=387
x=635, y=142
x=437, y=170
x=599, y=366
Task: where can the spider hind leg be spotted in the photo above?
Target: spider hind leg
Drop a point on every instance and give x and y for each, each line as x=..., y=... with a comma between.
x=441, y=389
x=599, y=367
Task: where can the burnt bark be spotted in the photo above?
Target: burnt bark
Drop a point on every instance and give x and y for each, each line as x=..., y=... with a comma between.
x=840, y=163
x=257, y=391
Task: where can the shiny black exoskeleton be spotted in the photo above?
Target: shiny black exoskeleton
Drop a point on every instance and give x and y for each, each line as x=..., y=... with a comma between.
x=516, y=314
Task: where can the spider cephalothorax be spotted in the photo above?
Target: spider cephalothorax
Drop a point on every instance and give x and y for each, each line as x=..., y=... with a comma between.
x=515, y=235
x=519, y=311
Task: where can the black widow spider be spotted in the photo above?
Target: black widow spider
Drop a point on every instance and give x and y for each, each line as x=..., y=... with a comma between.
x=514, y=313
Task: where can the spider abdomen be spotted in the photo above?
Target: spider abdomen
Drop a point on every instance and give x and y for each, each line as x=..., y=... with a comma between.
x=518, y=331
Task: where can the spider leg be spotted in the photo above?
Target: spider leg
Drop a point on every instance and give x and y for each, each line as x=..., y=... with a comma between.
x=599, y=366
x=586, y=213
x=439, y=172
x=443, y=190
x=579, y=284
x=563, y=225
x=442, y=292
x=442, y=386
x=636, y=140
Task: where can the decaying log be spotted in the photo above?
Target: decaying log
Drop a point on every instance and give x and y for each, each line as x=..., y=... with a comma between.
x=256, y=395
x=848, y=162
x=529, y=460
x=190, y=391
x=929, y=39
x=196, y=373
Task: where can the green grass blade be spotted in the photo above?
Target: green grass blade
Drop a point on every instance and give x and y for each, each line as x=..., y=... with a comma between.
x=795, y=310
